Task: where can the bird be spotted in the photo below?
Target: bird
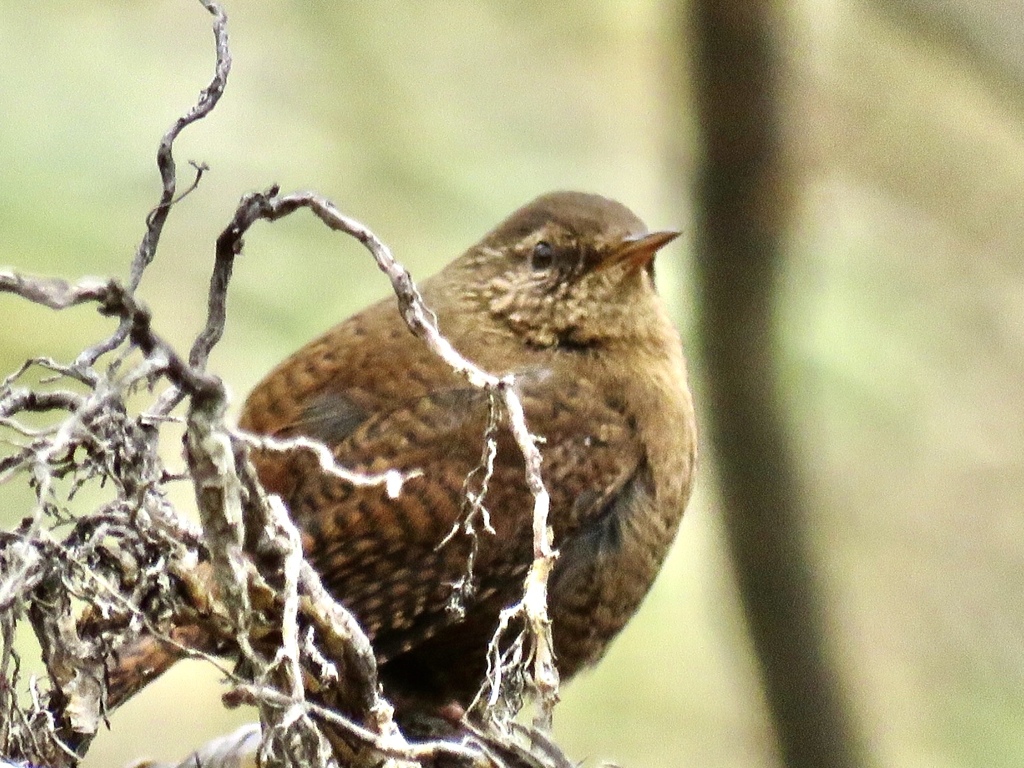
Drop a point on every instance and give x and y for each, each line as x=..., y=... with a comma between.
x=560, y=296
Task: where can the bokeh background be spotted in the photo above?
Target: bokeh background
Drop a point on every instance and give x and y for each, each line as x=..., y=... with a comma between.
x=902, y=299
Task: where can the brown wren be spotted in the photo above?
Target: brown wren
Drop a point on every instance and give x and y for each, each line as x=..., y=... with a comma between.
x=561, y=296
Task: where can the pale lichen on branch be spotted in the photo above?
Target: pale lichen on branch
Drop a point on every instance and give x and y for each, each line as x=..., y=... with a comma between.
x=132, y=567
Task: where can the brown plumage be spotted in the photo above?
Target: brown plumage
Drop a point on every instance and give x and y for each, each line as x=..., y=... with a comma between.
x=561, y=295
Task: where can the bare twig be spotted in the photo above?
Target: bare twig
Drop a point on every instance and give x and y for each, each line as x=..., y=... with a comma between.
x=392, y=480
x=146, y=251
x=208, y=99
x=474, y=495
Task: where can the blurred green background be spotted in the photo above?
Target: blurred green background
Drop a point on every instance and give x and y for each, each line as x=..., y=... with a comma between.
x=430, y=121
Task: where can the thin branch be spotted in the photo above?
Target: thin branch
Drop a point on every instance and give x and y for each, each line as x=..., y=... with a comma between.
x=113, y=300
x=392, y=479
x=208, y=99
x=146, y=250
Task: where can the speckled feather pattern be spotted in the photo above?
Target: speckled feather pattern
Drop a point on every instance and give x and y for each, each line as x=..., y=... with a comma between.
x=612, y=408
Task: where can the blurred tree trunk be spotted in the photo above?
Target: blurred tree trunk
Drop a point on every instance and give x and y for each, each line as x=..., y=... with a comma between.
x=742, y=204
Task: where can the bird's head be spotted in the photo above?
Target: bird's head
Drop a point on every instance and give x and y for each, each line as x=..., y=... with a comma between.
x=569, y=270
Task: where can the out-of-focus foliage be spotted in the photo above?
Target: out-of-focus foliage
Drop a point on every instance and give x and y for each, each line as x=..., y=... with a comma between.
x=904, y=321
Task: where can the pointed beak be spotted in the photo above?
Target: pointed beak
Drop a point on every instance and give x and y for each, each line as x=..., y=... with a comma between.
x=638, y=251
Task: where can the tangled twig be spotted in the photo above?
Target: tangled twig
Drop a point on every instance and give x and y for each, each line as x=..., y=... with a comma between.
x=134, y=569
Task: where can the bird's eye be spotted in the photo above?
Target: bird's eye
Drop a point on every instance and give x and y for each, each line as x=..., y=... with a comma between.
x=543, y=255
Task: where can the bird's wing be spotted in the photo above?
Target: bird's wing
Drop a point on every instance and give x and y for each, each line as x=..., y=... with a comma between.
x=388, y=559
